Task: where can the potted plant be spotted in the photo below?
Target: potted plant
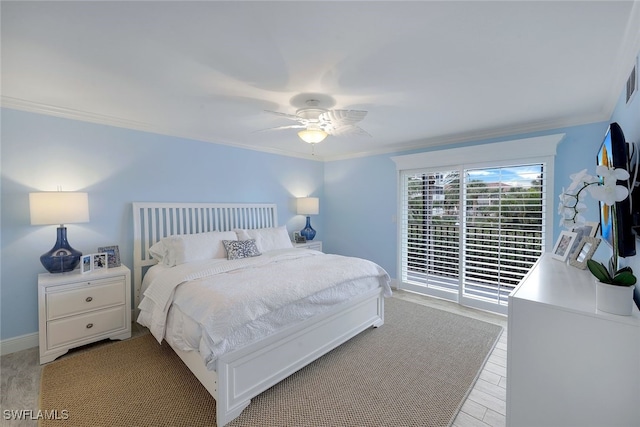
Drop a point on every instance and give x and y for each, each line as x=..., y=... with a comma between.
x=614, y=286
x=622, y=277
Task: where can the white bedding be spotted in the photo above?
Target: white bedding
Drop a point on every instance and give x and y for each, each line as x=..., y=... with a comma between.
x=219, y=305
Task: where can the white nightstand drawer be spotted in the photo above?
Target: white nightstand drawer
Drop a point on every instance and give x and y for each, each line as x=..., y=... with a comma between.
x=65, y=331
x=316, y=245
x=76, y=309
x=111, y=292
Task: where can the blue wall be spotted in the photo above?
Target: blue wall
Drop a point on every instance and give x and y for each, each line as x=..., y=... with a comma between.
x=116, y=167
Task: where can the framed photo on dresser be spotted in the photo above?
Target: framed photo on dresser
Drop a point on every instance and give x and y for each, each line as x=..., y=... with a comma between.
x=588, y=229
x=586, y=248
x=563, y=245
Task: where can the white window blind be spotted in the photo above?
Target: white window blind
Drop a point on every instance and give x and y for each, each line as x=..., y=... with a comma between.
x=504, y=228
x=473, y=231
x=431, y=229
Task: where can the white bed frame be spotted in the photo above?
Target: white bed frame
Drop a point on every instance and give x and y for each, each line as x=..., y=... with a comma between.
x=244, y=373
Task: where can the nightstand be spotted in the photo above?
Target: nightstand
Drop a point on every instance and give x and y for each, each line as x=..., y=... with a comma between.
x=316, y=245
x=76, y=309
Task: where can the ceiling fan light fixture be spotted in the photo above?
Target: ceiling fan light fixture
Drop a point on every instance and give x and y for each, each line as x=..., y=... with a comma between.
x=312, y=136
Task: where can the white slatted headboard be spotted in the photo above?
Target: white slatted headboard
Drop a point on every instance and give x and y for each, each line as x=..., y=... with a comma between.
x=153, y=221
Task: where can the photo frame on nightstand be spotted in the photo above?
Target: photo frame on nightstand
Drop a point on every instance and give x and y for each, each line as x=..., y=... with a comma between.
x=298, y=238
x=99, y=261
x=113, y=255
x=86, y=264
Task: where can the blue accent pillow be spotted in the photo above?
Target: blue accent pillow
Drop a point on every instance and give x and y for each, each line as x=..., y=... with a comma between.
x=238, y=249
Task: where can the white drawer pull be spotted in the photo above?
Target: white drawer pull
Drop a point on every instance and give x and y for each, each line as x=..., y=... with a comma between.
x=89, y=325
x=89, y=299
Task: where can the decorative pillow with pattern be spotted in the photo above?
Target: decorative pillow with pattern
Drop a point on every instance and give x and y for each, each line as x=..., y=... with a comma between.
x=238, y=249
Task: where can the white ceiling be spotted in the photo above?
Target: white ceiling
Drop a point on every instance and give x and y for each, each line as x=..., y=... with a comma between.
x=428, y=73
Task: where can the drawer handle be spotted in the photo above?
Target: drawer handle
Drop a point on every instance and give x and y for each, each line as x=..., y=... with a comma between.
x=89, y=299
x=89, y=325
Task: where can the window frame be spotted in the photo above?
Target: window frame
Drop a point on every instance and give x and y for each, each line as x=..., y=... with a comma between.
x=537, y=150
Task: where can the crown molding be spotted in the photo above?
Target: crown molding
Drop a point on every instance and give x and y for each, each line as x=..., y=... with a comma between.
x=85, y=116
x=497, y=133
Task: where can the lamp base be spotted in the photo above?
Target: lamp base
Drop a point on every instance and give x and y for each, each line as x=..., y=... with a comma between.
x=307, y=232
x=62, y=257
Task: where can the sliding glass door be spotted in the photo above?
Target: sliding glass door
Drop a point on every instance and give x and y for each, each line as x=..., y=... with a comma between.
x=470, y=234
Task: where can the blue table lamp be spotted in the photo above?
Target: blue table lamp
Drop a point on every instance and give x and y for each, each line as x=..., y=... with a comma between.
x=308, y=206
x=59, y=207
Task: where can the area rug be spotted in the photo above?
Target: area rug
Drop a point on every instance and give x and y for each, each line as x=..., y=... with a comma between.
x=415, y=370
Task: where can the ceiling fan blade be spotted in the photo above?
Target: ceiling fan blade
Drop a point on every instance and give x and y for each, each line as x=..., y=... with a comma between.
x=343, y=117
x=281, y=128
x=284, y=115
x=346, y=130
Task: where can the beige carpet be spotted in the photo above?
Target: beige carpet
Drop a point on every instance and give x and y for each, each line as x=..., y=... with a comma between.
x=416, y=370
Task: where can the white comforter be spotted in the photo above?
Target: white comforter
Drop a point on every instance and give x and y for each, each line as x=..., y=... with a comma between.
x=236, y=302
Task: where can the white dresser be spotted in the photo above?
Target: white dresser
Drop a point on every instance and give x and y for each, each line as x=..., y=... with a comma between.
x=76, y=309
x=567, y=363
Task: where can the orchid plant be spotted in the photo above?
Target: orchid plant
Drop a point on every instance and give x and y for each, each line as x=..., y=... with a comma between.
x=608, y=192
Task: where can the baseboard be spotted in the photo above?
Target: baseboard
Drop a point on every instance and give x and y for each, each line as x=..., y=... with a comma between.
x=23, y=342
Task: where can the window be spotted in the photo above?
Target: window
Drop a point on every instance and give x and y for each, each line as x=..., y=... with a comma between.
x=470, y=232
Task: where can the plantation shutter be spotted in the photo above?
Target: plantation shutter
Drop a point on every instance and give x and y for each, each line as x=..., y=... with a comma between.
x=431, y=229
x=504, y=228
x=478, y=235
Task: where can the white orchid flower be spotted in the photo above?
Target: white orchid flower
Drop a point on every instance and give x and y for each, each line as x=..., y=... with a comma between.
x=561, y=206
x=570, y=221
x=578, y=180
x=580, y=207
x=614, y=175
x=609, y=192
x=606, y=190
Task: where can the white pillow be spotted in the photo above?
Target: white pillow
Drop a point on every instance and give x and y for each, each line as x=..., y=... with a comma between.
x=242, y=234
x=158, y=252
x=180, y=249
x=267, y=239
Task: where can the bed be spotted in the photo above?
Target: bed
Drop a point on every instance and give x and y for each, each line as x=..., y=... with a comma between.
x=310, y=320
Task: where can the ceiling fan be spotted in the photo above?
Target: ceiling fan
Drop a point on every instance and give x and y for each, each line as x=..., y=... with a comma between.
x=317, y=123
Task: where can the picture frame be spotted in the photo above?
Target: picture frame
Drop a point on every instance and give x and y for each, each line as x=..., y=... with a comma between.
x=99, y=261
x=563, y=245
x=586, y=248
x=298, y=238
x=113, y=255
x=589, y=229
x=86, y=264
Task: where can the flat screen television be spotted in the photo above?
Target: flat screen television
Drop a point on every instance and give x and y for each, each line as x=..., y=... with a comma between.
x=614, y=153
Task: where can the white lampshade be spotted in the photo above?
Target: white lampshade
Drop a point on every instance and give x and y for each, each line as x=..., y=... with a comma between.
x=58, y=207
x=312, y=136
x=308, y=206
